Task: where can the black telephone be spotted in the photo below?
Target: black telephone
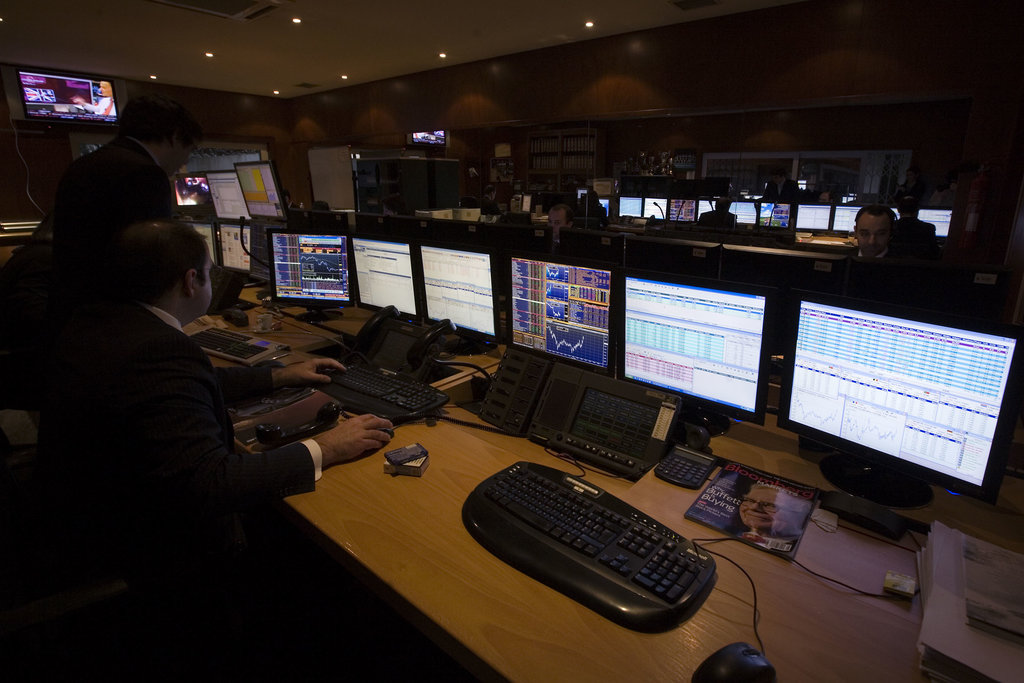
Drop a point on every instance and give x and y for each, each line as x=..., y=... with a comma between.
x=371, y=328
x=271, y=434
x=390, y=343
x=428, y=345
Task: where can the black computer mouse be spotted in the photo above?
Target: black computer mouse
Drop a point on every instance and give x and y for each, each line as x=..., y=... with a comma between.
x=735, y=663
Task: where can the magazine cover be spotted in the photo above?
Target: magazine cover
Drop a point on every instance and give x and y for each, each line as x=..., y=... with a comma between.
x=757, y=507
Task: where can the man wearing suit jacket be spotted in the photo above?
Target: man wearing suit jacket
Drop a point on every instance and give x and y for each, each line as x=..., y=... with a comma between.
x=780, y=188
x=135, y=439
x=104, y=192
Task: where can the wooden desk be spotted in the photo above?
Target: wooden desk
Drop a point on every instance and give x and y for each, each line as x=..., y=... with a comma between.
x=405, y=537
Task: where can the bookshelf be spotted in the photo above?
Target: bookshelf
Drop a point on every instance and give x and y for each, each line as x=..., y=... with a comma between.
x=563, y=160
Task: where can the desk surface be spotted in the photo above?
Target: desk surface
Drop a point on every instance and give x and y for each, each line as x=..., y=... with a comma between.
x=405, y=536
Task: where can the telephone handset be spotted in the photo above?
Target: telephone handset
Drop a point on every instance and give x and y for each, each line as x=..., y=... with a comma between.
x=423, y=348
x=271, y=434
x=368, y=332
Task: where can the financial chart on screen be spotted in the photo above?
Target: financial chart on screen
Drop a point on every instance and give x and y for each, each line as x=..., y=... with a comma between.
x=458, y=286
x=310, y=267
x=561, y=309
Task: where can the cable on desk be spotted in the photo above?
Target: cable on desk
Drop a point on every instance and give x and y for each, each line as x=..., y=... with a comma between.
x=474, y=425
x=753, y=588
x=565, y=457
x=884, y=596
x=479, y=369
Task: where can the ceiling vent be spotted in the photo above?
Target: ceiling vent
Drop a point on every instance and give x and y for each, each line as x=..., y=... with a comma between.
x=687, y=5
x=237, y=10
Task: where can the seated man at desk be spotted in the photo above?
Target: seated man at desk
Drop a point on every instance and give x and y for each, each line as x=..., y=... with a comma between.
x=559, y=216
x=912, y=237
x=720, y=217
x=136, y=443
x=872, y=228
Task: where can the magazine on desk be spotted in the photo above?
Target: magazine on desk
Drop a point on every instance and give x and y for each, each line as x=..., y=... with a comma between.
x=756, y=507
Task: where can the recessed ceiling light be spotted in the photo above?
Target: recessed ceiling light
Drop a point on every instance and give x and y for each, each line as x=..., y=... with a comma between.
x=153, y=76
x=344, y=77
x=277, y=92
x=589, y=24
x=209, y=54
x=443, y=55
x=296, y=20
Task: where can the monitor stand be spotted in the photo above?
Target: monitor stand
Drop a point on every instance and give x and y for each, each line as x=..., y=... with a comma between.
x=317, y=315
x=876, y=483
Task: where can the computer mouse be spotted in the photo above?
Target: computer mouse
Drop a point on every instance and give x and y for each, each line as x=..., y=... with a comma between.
x=735, y=663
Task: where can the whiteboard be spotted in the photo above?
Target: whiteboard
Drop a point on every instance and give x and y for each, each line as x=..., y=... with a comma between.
x=330, y=169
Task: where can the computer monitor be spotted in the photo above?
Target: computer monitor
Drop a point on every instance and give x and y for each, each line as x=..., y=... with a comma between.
x=813, y=217
x=845, y=218
x=192, y=194
x=631, y=206
x=773, y=215
x=255, y=240
x=559, y=307
x=384, y=273
x=227, y=196
x=232, y=254
x=939, y=218
x=310, y=270
x=682, y=210
x=260, y=189
x=906, y=397
x=656, y=207
x=459, y=283
x=746, y=212
x=606, y=204
x=671, y=255
x=702, y=339
x=209, y=236
x=527, y=204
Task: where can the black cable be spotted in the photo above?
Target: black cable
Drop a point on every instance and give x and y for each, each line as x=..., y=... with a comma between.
x=753, y=588
x=572, y=460
x=475, y=425
x=479, y=369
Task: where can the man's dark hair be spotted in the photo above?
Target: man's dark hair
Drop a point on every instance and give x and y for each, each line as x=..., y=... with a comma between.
x=569, y=213
x=877, y=210
x=780, y=170
x=907, y=206
x=149, y=258
x=156, y=118
x=723, y=204
x=489, y=189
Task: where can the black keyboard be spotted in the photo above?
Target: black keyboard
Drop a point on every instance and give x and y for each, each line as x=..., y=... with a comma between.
x=590, y=545
x=237, y=346
x=368, y=389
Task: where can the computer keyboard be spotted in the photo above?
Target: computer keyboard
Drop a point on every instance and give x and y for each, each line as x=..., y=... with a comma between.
x=237, y=346
x=591, y=546
x=369, y=389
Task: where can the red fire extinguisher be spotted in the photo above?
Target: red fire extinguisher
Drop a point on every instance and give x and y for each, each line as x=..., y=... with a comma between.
x=975, y=206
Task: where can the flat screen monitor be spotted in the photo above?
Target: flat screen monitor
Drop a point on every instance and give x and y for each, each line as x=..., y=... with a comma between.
x=50, y=95
x=209, y=236
x=702, y=339
x=631, y=206
x=907, y=397
x=845, y=218
x=746, y=212
x=384, y=275
x=192, y=193
x=656, y=207
x=260, y=189
x=939, y=218
x=255, y=240
x=773, y=215
x=309, y=270
x=560, y=308
x=606, y=205
x=227, y=196
x=430, y=138
x=459, y=284
x=813, y=217
x=682, y=210
x=232, y=253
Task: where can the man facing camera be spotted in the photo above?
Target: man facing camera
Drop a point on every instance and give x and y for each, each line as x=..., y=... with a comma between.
x=136, y=439
x=873, y=229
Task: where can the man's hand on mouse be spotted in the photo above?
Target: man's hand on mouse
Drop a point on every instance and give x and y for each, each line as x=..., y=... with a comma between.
x=352, y=438
x=306, y=373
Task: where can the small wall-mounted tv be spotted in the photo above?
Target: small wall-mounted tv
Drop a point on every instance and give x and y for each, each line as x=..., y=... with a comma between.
x=66, y=96
x=427, y=137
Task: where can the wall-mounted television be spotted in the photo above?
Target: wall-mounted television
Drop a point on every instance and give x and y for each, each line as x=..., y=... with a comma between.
x=63, y=96
x=427, y=137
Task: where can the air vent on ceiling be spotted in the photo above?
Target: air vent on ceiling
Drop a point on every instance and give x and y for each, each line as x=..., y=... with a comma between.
x=307, y=85
x=687, y=5
x=238, y=10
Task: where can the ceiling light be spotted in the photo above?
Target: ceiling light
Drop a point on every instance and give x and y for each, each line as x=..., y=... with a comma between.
x=443, y=55
x=344, y=77
x=277, y=92
x=209, y=54
x=296, y=20
x=589, y=24
x=153, y=76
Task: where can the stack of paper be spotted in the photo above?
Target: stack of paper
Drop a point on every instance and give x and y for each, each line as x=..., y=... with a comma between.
x=957, y=570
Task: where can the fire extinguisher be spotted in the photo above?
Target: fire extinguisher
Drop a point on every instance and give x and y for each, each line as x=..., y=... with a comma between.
x=975, y=206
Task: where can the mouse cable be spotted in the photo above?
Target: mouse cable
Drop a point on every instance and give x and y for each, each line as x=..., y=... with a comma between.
x=704, y=542
x=883, y=596
x=572, y=460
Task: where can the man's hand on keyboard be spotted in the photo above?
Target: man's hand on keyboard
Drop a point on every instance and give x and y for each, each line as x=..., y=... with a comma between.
x=307, y=373
x=352, y=438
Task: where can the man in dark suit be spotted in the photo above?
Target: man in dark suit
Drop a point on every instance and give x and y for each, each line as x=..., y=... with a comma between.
x=488, y=205
x=719, y=217
x=104, y=192
x=912, y=237
x=135, y=441
x=780, y=188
